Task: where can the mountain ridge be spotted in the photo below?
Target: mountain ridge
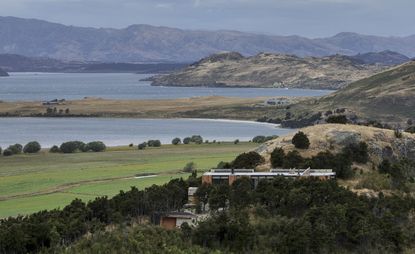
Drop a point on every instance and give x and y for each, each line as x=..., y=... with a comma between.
x=143, y=43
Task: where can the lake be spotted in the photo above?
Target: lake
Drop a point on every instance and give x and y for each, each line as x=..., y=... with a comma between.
x=48, y=86
x=116, y=131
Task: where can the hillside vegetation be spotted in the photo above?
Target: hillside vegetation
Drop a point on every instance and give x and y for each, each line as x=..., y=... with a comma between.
x=386, y=96
x=270, y=70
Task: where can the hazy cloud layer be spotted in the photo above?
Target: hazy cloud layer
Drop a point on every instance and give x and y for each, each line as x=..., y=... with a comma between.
x=303, y=17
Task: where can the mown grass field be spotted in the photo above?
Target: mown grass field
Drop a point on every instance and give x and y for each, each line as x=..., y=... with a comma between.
x=29, y=183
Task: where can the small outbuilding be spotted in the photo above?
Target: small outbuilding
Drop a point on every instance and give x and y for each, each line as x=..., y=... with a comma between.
x=176, y=219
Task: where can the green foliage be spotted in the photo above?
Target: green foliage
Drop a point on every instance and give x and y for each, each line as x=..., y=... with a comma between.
x=339, y=119
x=236, y=141
x=142, y=146
x=32, y=147
x=197, y=139
x=189, y=167
x=293, y=159
x=357, y=152
x=277, y=157
x=7, y=152
x=72, y=147
x=95, y=146
x=301, y=141
x=385, y=167
x=263, y=139
x=186, y=140
x=54, y=149
x=374, y=181
x=15, y=149
x=176, y=141
x=247, y=160
x=153, y=143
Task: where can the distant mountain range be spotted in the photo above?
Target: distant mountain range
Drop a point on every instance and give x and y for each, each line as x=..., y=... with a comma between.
x=144, y=43
x=18, y=63
x=279, y=70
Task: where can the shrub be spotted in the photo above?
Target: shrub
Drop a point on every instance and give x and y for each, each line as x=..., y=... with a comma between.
x=277, y=157
x=398, y=133
x=410, y=129
x=293, y=159
x=301, y=141
x=142, y=146
x=190, y=167
x=186, y=140
x=32, y=147
x=236, y=141
x=374, y=181
x=176, y=141
x=95, y=146
x=385, y=167
x=258, y=139
x=72, y=146
x=54, y=149
x=131, y=145
x=340, y=119
x=196, y=139
x=154, y=143
x=357, y=152
x=7, y=152
x=247, y=160
x=16, y=148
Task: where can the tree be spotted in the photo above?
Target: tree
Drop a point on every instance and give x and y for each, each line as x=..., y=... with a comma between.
x=54, y=149
x=301, y=141
x=218, y=197
x=339, y=119
x=176, y=141
x=258, y=139
x=202, y=194
x=241, y=193
x=72, y=146
x=186, y=140
x=190, y=167
x=16, y=148
x=247, y=160
x=277, y=157
x=7, y=152
x=153, y=143
x=293, y=159
x=385, y=167
x=32, y=147
x=357, y=152
x=197, y=139
x=142, y=146
x=95, y=146
x=236, y=141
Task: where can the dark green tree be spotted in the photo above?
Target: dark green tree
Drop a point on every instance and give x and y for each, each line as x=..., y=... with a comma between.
x=301, y=141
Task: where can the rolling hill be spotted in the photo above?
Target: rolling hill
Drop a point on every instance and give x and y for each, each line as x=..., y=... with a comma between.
x=269, y=70
x=388, y=96
x=145, y=43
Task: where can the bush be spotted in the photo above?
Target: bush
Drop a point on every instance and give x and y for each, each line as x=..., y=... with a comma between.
x=277, y=157
x=142, y=146
x=236, y=141
x=340, y=119
x=72, y=146
x=374, y=181
x=7, y=152
x=301, y=141
x=247, y=160
x=154, y=143
x=398, y=133
x=131, y=145
x=263, y=139
x=95, y=146
x=16, y=148
x=293, y=159
x=385, y=167
x=357, y=152
x=54, y=149
x=190, y=167
x=32, y=147
x=410, y=129
x=176, y=141
x=196, y=139
x=186, y=140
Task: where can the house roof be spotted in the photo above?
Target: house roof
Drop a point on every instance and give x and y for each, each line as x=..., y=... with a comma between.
x=184, y=215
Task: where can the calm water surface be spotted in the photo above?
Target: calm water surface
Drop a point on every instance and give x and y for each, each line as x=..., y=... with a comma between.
x=115, y=131
x=48, y=86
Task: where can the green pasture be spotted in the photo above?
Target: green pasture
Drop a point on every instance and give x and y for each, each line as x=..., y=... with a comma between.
x=29, y=183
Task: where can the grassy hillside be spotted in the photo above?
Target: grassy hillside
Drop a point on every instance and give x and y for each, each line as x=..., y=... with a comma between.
x=30, y=183
x=388, y=95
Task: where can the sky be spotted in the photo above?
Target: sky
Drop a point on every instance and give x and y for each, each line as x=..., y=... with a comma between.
x=311, y=18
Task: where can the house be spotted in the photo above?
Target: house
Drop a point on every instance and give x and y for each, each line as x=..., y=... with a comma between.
x=176, y=219
x=218, y=176
x=191, y=195
x=277, y=102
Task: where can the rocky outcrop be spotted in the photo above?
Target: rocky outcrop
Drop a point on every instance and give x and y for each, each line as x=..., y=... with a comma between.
x=269, y=70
